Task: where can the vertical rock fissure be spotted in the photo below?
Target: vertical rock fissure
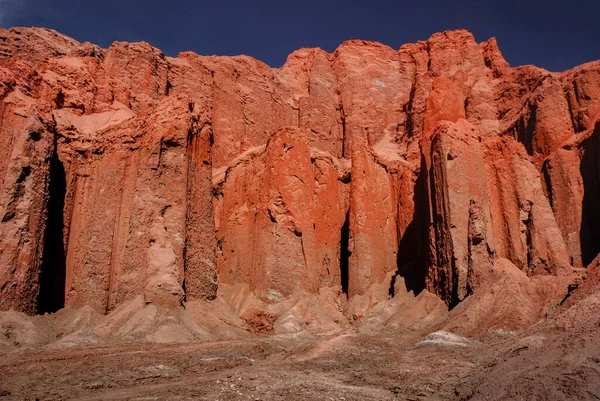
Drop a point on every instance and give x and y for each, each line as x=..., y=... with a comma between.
x=530, y=246
x=51, y=296
x=590, y=212
x=445, y=277
x=199, y=251
x=190, y=155
x=413, y=245
x=526, y=232
x=343, y=122
x=525, y=130
x=480, y=256
x=409, y=109
x=121, y=227
x=547, y=182
x=571, y=107
x=345, y=253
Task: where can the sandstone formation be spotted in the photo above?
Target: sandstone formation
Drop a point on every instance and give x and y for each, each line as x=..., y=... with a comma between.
x=364, y=172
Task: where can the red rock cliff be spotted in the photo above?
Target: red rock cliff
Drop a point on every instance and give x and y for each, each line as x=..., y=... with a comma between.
x=126, y=172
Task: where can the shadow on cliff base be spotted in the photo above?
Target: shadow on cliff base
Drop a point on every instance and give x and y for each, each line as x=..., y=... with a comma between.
x=345, y=253
x=413, y=246
x=590, y=210
x=53, y=268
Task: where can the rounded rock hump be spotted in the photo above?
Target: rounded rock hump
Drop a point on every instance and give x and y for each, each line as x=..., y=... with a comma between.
x=34, y=44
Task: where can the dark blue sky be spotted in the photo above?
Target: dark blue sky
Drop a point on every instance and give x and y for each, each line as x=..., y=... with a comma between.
x=553, y=34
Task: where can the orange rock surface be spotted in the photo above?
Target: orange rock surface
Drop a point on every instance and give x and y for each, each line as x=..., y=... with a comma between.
x=126, y=173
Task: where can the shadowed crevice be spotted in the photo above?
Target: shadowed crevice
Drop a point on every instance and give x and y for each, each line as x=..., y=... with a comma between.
x=53, y=267
x=413, y=248
x=590, y=209
x=345, y=253
x=526, y=129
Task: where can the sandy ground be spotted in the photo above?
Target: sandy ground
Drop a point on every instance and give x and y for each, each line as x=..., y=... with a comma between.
x=348, y=366
x=535, y=365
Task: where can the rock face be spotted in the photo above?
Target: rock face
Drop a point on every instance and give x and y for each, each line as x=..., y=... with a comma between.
x=126, y=172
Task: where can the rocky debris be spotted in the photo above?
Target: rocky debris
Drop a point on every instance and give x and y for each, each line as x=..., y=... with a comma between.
x=554, y=359
x=344, y=176
x=445, y=339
